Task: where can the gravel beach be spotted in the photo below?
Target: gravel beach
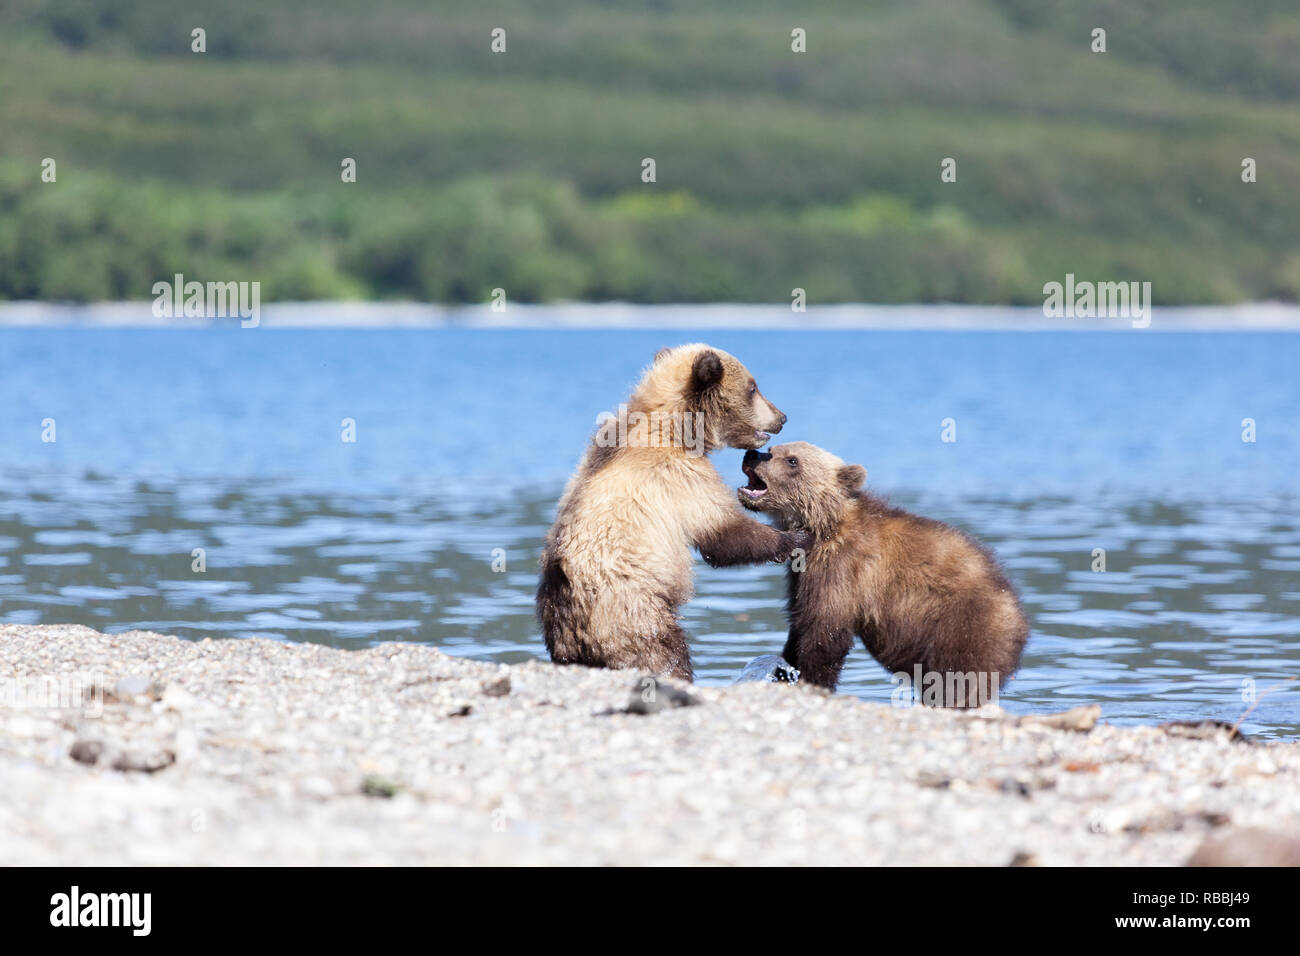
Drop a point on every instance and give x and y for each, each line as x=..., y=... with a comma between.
x=139, y=748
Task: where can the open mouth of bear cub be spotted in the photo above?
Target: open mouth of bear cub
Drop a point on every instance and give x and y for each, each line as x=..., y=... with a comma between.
x=756, y=488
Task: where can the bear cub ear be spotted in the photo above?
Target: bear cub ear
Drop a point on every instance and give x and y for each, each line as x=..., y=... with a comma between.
x=851, y=477
x=706, y=372
x=660, y=354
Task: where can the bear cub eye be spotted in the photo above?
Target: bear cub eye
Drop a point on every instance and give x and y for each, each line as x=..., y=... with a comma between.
x=792, y=462
x=753, y=389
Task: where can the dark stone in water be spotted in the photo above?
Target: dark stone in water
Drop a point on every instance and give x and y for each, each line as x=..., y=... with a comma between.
x=771, y=668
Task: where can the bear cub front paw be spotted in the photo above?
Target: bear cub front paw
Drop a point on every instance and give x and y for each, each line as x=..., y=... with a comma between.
x=792, y=541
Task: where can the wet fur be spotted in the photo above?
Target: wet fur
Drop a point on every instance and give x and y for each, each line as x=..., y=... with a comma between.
x=617, y=564
x=914, y=590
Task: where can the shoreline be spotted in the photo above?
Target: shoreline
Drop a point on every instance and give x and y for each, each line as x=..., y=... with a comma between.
x=1246, y=317
x=254, y=751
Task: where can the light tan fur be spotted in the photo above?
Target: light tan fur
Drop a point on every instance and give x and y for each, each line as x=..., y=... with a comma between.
x=617, y=562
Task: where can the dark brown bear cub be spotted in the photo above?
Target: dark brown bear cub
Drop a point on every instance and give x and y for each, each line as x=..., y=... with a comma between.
x=925, y=599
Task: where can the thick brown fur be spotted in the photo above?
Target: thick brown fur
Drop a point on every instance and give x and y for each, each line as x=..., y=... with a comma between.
x=617, y=562
x=916, y=591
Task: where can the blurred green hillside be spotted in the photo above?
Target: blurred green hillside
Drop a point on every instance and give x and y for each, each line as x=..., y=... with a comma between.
x=775, y=169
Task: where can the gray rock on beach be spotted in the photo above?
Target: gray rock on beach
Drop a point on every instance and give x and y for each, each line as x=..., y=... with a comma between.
x=771, y=668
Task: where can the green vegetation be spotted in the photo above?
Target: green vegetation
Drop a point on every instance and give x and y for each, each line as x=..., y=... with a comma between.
x=775, y=169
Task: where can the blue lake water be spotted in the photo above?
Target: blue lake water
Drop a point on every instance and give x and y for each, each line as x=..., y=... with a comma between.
x=230, y=440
